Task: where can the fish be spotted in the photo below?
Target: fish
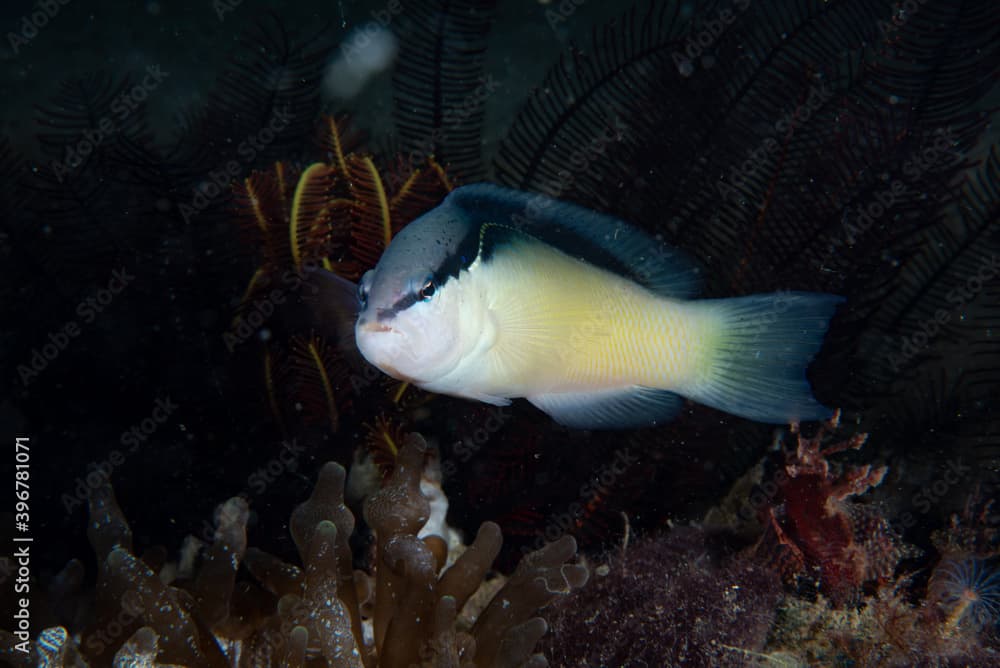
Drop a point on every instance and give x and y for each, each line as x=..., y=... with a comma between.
x=499, y=294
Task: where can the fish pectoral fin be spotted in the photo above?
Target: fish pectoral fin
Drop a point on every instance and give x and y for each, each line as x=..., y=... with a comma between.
x=624, y=408
x=333, y=306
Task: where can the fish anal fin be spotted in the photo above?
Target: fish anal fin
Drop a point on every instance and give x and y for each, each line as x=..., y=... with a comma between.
x=625, y=408
x=490, y=399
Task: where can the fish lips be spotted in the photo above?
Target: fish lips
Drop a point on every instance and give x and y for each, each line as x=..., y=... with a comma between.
x=382, y=345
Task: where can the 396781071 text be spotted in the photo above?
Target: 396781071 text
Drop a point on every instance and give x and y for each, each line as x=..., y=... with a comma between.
x=22, y=543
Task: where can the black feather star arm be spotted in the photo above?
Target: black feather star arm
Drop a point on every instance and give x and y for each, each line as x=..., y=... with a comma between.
x=907, y=124
x=749, y=151
x=796, y=151
x=937, y=60
x=440, y=86
x=646, y=123
x=85, y=117
x=943, y=314
x=946, y=413
x=267, y=101
x=109, y=197
x=263, y=108
x=19, y=248
x=74, y=217
x=778, y=198
x=588, y=98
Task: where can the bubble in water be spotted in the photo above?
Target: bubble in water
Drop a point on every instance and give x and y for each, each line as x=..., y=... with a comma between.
x=368, y=50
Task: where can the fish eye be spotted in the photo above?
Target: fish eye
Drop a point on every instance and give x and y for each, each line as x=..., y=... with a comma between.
x=363, y=294
x=427, y=291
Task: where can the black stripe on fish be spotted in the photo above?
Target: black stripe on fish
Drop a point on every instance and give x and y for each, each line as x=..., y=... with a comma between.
x=465, y=254
x=466, y=251
x=402, y=304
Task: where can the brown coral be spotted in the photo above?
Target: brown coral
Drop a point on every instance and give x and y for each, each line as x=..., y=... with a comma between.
x=421, y=603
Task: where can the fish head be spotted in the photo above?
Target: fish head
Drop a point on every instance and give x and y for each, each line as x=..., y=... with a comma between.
x=411, y=320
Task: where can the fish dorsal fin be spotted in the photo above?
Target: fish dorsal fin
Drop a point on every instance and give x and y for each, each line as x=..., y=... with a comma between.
x=497, y=237
x=601, y=240
x=626, y=408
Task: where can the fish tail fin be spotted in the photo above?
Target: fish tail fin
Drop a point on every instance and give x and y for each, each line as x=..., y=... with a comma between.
x=760, y=347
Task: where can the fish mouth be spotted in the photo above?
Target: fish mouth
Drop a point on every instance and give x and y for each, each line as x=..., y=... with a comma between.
x=375, y=326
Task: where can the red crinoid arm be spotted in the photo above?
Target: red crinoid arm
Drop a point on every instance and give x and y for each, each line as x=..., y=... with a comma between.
x=261, y=205
x=371, y=226
x=320, y=375
x=421, y=191
x=383, y=441
x=333, y=145
x=311, y=213
x=339, y=257
x=270, y=387
x=338, y=140
x=257, y=283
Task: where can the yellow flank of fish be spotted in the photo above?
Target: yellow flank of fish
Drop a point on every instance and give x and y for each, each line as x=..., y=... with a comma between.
x=565, y=325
